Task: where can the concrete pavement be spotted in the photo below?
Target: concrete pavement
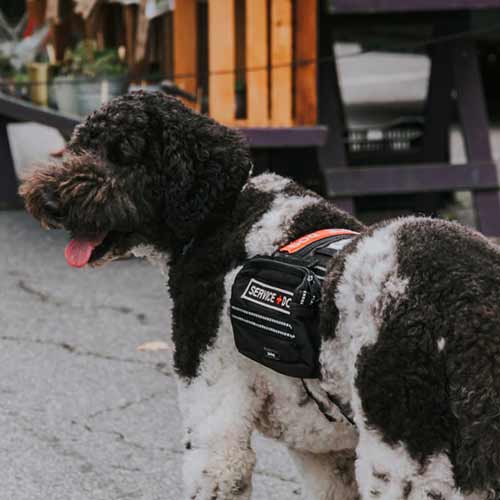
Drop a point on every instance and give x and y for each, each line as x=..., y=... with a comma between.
x=83, y=414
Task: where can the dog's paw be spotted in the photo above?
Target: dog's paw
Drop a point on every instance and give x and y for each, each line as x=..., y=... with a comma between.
x=223, y=488
x=222, y=479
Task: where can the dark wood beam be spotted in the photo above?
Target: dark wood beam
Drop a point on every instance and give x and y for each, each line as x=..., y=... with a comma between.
x=375, y=6
x=401, y=179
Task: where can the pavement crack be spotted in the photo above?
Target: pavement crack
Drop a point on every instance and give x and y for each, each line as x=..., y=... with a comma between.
x=48, y=298
x=126, y=469
x=275, y=475
x=160, y=367
x=42, y=296
x=127, y=404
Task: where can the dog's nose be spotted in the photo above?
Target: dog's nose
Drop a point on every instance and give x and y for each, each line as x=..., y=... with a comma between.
x=52, y=210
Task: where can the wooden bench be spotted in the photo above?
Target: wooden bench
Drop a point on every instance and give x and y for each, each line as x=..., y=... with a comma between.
x=454, y=68
x=15, y=110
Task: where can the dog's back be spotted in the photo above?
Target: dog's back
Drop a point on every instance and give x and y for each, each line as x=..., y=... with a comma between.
x=420, y=301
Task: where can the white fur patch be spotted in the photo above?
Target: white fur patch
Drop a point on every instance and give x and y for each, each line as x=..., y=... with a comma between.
x=219, y=408
x=370, y=279
x=441, y=343
x=269, y=182
x=154, y=257
x=269, y=231
x=389, y=473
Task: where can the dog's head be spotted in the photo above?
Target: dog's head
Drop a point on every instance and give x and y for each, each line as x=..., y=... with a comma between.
x=143, y=169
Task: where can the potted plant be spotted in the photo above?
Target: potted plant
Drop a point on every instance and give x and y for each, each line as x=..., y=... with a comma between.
x=88, y=77
x=14, y=82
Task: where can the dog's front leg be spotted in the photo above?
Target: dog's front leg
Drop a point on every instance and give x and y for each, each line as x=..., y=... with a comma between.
x=327, y=476
x=218, y=420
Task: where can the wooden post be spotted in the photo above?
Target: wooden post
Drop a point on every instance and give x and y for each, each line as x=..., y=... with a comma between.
x=221, y=56
x=185, y=45
x=305, y=95
x=257, y=40
x=281, y=60
x=166, y=46
x=475, y=128
x=141, y=33
x=8, y=178
x=52, y=11
x=130, y=17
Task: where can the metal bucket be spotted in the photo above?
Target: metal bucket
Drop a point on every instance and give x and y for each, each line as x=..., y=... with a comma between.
x=93, y=93
x=65, y=92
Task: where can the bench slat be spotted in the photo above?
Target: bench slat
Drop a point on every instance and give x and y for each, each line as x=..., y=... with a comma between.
x=363, y=181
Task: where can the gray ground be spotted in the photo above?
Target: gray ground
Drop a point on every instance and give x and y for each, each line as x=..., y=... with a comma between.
x=83, y=414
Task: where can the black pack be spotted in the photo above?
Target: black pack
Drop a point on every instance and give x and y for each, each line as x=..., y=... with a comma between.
x=275, y=299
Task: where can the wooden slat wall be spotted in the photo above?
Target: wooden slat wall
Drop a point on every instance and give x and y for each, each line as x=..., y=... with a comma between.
x=166, y=45
x=141, y=33
x=257, y=57
x=305, y=92
x=221, y=56
x=130, y=19
x=185, y=45
x=276, y=33
x=281, y=60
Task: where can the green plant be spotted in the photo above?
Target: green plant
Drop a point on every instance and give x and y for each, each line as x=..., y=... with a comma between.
x=6, y=68
x=21, y=77
x=86, y=60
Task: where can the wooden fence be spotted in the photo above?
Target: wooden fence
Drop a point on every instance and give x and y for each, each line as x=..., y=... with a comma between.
x=265, y=47
x=250, y=62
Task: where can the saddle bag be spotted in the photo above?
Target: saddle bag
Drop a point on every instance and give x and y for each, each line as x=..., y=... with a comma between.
x=275, y=299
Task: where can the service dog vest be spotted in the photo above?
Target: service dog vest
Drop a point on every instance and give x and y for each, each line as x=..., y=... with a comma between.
x=275, y=299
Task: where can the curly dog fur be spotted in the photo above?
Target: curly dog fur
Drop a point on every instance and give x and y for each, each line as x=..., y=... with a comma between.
x=410, y=314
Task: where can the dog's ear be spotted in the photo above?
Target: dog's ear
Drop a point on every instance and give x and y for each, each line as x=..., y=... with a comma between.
x=204, y=178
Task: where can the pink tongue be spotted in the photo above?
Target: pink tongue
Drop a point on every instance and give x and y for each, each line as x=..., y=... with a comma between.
x=79, y=250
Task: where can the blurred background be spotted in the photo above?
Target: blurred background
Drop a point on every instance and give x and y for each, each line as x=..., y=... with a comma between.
x=387, y=107
x=315, y=85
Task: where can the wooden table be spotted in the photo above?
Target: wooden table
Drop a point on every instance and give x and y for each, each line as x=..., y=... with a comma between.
x=454, y=67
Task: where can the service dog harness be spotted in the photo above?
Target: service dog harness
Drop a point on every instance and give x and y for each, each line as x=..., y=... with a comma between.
x=274, y=303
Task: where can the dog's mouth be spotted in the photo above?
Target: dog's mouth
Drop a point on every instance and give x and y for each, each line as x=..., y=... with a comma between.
x=83, y=250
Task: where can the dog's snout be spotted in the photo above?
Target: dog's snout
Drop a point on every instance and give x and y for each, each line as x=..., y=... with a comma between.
x=52, y=210
x=51, y=204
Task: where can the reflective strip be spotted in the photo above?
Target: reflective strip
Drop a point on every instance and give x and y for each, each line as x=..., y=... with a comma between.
x=260, y=316
x=263, y=327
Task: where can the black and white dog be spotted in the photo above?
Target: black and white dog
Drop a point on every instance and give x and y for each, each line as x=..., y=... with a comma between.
x=410, y=312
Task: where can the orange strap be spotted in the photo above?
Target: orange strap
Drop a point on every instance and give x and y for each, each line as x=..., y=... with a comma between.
x=303, y=241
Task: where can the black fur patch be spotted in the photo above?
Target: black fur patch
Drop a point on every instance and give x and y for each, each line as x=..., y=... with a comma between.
x=440, y=400
x=408, y=486
x=196, y=279
x=322, y=215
